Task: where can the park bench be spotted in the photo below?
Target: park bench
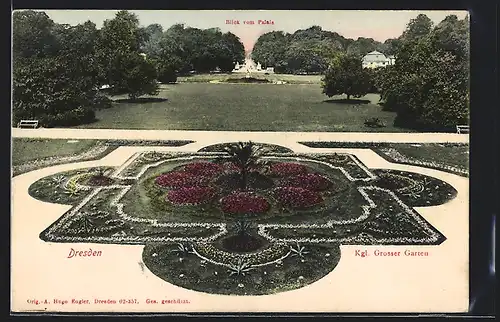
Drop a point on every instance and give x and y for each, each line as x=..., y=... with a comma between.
x=462, y=129
x=30, y=123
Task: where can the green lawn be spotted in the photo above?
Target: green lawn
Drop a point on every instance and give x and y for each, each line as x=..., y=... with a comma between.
x=292, y=79
x=24, y=150
x=457, y=156
x=244, y=107
x=448, y=154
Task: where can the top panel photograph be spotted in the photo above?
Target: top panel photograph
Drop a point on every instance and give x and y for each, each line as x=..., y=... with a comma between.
x=265, y=71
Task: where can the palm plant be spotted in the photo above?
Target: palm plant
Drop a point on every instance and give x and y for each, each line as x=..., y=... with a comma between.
x=72, y=190
x=298, y=251
x=240, y=268
x=244, y=155
x=59, y=179
x=242, y=227
x=84, y=224
x=183, y=249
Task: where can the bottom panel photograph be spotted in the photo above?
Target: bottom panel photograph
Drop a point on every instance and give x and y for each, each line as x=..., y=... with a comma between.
x=241, y=226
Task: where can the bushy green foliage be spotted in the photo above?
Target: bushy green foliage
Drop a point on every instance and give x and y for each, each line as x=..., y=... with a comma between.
x=428, y=86
x=346, y=76
x=307, y=51
x=185, y=49
x=123, y=68
x=55, y=75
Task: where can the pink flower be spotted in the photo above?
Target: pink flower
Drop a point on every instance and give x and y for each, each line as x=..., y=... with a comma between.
x=244, y=202
x=296, y=197
x=206, y=169
x=180, y=179
x=310, y=181
x=191, y=195
x=287, y=169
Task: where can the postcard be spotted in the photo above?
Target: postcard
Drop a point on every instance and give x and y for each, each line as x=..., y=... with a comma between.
x=240, y=161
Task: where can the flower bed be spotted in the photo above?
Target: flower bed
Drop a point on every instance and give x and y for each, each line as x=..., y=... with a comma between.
x=98, y=180
x=217, y=256
x=230, y=167
x=179, y=179
x=206, y=169
x=284, y=169
x=268, y=147
x=191, y=195
x=310, y=181
x=244, y=203
x=296, y=197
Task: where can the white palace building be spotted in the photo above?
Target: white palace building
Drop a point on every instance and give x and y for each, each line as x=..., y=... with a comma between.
x=376, y=59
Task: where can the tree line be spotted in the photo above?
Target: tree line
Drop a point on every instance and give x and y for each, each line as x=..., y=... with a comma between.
x=58, y=68
x=428, y=86
x=311, y=50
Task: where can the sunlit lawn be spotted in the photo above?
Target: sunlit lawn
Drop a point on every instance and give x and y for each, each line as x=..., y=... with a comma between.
x=244, y=107
x=24, y=150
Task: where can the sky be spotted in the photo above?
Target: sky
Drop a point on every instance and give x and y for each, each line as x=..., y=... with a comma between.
x=379, y=25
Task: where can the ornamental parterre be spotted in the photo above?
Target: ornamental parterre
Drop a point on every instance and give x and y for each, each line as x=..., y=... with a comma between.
x=213, y=221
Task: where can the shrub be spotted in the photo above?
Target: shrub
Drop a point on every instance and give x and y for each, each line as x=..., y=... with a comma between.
x=243, y=203
x=191, y=195
x=374, y=122
x=287, y=169
x=167, y=74
x=247, y=80
x=296, y=197
x=180, y=179
x=101, y=101
x=310, y=181
x=79, y=115
x=206, y=169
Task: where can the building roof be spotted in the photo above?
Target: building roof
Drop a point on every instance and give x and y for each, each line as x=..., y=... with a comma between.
x=374, y=56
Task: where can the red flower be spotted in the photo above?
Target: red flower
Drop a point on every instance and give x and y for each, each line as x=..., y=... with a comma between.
x=191, y=195
x=283, y=169
x=310, y=181
x=297, y=197
x=180, y=179
x=206, y=169
x=244, y=203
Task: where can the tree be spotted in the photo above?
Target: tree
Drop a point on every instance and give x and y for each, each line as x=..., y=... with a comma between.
x=123, y=68
x=392, y=46
x=77, y=46
x=47, y=89
x=270, y=49
x=134, y=75
x=417, y=28
x=32, y=34
x=146, y=33
x=363, y=46
x=236, y=49
x=346, y=76
x=305, y=57
x=428, y=87
x=118, y=36
x=54, y=71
